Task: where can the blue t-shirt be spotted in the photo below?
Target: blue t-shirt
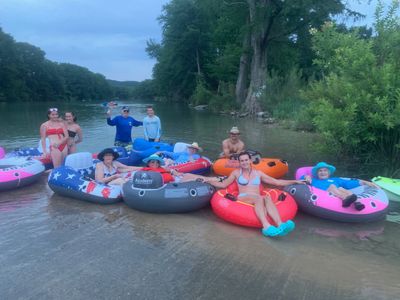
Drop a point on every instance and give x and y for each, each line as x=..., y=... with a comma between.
x=124, y=127
x=152, y=127
x=180, y=157
x=323, y=184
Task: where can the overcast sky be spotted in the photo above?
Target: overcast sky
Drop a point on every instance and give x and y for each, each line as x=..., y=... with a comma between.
x=106, y=36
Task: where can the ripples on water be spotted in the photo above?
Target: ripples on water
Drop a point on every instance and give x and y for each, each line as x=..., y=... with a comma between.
x=48, y=240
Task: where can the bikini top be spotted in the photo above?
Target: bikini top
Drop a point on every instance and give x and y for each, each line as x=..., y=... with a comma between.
x=243, y=181
x=52, y=131
x=71, y=133
x=109, y=172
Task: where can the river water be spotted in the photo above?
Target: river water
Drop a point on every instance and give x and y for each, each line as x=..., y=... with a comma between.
x=55, y=247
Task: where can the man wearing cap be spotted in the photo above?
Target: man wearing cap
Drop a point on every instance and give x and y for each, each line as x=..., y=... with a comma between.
x=191, y=154
x=233, y=144
x=124, y=124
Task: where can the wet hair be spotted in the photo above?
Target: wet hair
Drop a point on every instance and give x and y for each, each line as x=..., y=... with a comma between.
x=244, y=153
x=74, y=118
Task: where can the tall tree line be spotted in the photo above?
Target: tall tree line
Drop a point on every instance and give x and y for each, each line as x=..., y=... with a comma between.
x=26, y=75
x=230, y=46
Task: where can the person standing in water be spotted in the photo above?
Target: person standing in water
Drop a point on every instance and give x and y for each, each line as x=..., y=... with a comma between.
x=124, y=124
x=74, y=131
x=151, y=126
x=55, y=130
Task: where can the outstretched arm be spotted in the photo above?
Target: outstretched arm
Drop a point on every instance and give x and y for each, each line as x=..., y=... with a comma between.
x=368, y=183
x=124, y=168
x=215, y=181
x=278, y=182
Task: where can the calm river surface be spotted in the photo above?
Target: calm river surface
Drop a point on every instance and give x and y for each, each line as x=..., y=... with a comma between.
x=53, y=247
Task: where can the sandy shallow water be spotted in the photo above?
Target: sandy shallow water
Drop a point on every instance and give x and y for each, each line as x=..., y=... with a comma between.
x=53, y=247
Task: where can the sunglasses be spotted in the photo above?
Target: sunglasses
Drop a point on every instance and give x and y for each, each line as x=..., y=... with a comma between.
x=53, y=109
x=154, y=161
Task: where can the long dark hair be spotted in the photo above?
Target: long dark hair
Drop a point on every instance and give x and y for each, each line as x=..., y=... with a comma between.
x=74, y=118
x=244, y=153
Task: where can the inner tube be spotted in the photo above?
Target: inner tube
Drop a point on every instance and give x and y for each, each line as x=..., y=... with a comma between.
x=147, y=192
x=225, y=206
x=137, y=156
x=323, y=204
x=198, y=166
x=35, y=153
x=273, y=167
x=69, y=182
x=140, y=144
x=391, y=186
x=19, y=171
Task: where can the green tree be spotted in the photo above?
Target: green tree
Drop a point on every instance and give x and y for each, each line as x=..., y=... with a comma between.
x=357, y=103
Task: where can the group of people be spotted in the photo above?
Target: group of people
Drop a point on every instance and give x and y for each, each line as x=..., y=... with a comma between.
x=124, y=123
x=62, y=135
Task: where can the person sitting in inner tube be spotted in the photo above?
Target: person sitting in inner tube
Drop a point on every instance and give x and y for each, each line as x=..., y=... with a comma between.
x=249, y=181
x=109, y=170
x=339, y=187
x=233, y=144
x=191, y=154
x=154, y=163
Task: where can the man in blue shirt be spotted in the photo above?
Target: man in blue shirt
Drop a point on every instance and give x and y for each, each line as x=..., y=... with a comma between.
x=124, y=124
x=152, y=126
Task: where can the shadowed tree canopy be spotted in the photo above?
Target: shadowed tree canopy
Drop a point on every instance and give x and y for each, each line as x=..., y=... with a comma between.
x=26, y=75
x=216, y=42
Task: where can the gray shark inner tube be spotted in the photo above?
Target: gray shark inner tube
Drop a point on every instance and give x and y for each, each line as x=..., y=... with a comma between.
x=147, y=192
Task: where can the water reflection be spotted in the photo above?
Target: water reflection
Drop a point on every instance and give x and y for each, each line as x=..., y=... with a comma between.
x=159, y=255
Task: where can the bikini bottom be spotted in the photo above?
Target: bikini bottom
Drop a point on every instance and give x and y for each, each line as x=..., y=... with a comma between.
x=60, y=147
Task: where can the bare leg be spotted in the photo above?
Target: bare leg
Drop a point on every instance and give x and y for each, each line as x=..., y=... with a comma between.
x=339, y=192
x=272, y=210
x=259, y=208
x=56, y=156
x=347, y=197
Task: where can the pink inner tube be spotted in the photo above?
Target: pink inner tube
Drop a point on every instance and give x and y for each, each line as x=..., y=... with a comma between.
x=323, y=204
x=19, y=171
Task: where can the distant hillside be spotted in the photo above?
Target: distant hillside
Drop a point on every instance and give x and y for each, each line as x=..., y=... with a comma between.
x=123, y=84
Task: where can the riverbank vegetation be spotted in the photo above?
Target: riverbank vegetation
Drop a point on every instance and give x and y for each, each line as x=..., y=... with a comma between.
x=292, y=60
x=27, y=76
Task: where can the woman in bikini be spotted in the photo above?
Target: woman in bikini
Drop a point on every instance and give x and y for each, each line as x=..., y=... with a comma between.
x=55, y=130
x=249, y=181
x=109, y=171
x=74, y=130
